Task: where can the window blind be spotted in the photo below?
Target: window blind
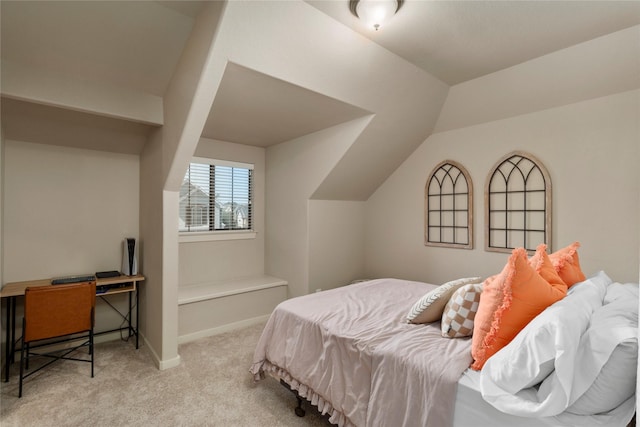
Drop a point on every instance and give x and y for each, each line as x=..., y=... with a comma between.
x=216, y=195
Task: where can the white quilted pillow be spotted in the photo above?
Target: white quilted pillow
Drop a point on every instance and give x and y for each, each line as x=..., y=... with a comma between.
x=458, y=314
x=430, y=306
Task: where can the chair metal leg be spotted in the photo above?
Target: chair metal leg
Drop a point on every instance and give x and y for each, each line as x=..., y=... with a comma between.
x=91, y=349
x=26, y=366
x=22, y=348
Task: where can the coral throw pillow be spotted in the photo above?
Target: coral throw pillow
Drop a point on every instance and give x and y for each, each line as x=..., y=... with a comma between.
x=543, y=265
x=509, y=301
x=567, y=264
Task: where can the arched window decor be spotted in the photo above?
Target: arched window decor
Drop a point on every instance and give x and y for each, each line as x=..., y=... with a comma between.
x=518, y=204
x=448, y=207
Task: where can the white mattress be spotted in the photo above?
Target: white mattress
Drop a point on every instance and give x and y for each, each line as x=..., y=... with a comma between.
x=471, y=410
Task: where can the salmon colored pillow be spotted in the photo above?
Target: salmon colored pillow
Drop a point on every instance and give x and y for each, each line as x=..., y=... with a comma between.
x=509, y=301
x=543, y=265
x=567, y=264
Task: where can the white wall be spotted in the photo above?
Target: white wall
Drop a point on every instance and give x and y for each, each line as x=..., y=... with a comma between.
x=294, y=170
x=336, y=243
x=66, y=211
x=213, y=316
x=202, y=262
x=151, y=242
x=591, y=151
x=2, y=329
x=1, y=204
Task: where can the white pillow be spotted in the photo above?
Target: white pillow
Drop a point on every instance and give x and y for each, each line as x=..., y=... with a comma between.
x=550, y=341
x=615, y=383
x=618, y=290
x=608, y=354
x=429, y=307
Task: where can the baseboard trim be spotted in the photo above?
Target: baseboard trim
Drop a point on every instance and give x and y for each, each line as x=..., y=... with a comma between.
x=168, y=364
x=221, y=329
x=160, y=364
x=152, y=352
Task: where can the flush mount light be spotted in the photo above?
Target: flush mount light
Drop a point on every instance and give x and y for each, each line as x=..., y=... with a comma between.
x=374, y=13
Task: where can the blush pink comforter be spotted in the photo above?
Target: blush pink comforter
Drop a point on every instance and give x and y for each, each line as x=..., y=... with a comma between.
x=351, y=353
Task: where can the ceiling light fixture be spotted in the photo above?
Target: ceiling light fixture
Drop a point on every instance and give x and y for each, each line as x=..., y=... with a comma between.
x=374, y=13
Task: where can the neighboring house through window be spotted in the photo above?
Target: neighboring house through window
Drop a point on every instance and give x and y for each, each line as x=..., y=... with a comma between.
x=216, y=195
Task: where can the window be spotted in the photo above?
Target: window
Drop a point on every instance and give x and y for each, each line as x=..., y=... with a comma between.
x=216, y=195
x=518, y=208
x=448, y=207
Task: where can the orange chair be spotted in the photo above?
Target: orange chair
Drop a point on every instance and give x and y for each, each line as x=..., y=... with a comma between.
x=54, y=312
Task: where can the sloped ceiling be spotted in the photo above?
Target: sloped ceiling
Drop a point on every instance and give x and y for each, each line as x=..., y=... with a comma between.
x=135, y=46
x=255, y=109
x=457, y=41
x=43, y=124
x=130, y=44
x=454, y=41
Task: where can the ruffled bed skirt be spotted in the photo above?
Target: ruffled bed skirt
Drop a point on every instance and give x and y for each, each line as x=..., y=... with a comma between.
x=258, y=370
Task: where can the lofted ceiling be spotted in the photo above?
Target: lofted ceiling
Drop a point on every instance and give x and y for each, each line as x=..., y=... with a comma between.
x=135, y=46
x=131, y=44
x=457, y=41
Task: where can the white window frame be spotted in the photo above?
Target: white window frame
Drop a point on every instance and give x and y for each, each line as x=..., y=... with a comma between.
x=216, y=235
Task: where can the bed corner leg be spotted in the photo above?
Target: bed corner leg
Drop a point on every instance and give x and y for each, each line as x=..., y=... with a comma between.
x=299, y=410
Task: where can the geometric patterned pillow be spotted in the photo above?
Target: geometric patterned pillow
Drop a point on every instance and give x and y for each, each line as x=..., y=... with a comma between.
x=429, y=307
x=458, y=315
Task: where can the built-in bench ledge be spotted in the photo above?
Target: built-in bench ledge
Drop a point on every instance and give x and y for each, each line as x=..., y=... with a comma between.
x=188, y=294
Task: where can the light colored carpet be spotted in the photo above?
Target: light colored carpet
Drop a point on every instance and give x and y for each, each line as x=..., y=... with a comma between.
x=211, y=387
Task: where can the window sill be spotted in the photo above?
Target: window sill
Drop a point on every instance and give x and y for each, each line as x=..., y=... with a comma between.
x=215, y=236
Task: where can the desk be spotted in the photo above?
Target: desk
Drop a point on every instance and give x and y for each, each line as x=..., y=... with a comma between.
x=13, y=290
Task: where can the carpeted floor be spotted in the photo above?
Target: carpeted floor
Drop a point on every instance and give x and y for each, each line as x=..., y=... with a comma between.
x=211, y=387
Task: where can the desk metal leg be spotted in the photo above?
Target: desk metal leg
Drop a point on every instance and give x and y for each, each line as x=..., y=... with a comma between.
x=13, y=329
x=134, y=329
x=7, y=345
x=137, y=313
x=130, y=330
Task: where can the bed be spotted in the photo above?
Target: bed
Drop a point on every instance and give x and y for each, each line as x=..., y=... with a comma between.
x=351, y=353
